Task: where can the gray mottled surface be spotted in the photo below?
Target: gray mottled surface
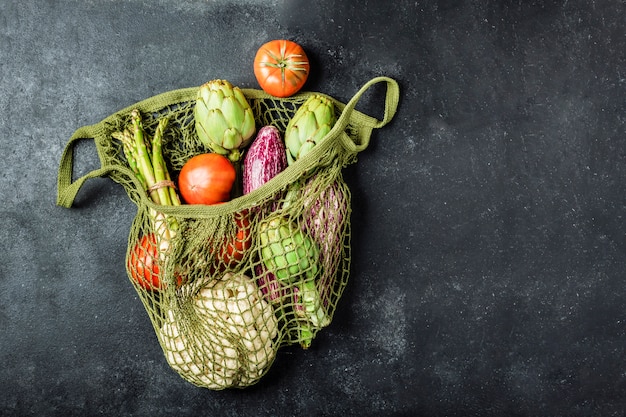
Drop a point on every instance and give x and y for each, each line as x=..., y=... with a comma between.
x=490, y=250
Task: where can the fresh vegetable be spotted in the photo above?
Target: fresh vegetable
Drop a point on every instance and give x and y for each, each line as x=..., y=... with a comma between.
x=308, y=305
x=143, y=263
x=270, y=287
x=308, y=295
x=145, y=158
x=233, y=343
x=287, y=251
x=308, y=126
x=325, y=213
x=206, y=179
x=223, y=118
x=264, y=159
x=236, y=305
x=234, y=249
x=209, y=358
x=281, y=67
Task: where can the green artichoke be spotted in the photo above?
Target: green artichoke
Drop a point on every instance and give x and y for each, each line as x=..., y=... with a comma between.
x=224, y=119
x=309, y=125
x=287, y=251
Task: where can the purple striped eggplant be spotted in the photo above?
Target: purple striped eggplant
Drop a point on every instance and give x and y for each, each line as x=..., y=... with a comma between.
x=272, y=290
x=325, y=214
x=265, y=159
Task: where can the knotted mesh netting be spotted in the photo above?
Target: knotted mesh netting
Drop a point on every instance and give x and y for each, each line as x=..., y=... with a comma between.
x=226, y=286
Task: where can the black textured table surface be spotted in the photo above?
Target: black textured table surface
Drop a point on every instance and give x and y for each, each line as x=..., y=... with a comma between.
x=489, y=244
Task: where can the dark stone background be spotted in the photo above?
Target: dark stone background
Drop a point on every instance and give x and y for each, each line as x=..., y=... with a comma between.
x=488, y=275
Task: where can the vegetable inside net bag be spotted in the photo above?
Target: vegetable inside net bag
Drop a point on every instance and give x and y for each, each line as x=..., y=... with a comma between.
x=225, y=286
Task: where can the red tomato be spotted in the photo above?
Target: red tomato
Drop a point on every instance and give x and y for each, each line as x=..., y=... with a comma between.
x=281, y=67
x=232, y=252
x=206, y=179
x=143, y=263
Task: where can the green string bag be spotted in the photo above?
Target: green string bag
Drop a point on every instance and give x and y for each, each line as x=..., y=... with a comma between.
x=225, y=286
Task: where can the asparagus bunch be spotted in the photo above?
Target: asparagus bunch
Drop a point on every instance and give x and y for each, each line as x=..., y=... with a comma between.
x=145, y=159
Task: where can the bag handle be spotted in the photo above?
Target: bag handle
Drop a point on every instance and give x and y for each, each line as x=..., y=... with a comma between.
x=67, y=188
x=365, y=122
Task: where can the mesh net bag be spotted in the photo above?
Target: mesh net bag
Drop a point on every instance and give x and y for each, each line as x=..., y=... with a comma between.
x=225, y=286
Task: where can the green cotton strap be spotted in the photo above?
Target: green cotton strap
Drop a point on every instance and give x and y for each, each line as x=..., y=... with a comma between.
x=66, y=187
x=362, y=121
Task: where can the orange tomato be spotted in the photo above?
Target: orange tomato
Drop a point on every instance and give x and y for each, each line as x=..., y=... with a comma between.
x=233, y=251
x=206, y=179
x=281, y=67
x=143, y=263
